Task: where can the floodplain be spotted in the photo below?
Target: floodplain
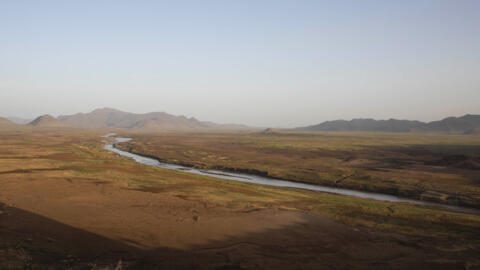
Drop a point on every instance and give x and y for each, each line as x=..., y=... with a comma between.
x=66, y=202
x=440, y=168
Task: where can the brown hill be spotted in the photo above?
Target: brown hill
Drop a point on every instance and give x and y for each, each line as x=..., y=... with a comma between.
x=270, y=131
x=19, y=120
x=6, y=123
x=47, y=121
x=111, y=118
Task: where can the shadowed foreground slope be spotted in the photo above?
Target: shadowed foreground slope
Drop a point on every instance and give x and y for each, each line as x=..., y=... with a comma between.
x=315, y=242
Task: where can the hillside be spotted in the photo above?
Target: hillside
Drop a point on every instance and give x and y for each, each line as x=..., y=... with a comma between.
x=18, y=120
x=111, y=118
x=461, y=124
x=6, y=123
x=391, y=125
x=473, y=131
x=46, y=121
x=455, y=124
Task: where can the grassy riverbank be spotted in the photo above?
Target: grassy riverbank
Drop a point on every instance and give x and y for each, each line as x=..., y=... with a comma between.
x=440, y=168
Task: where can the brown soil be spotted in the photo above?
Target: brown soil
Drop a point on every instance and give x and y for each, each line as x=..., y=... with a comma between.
x=87, y=224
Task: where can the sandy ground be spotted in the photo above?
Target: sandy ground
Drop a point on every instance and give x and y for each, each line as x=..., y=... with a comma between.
x=92, y=225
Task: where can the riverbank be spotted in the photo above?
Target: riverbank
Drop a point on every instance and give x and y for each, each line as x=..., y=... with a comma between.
x=416, y=166
x=260, y=179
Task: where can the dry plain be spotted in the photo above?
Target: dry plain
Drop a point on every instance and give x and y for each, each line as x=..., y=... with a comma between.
x=65, y=202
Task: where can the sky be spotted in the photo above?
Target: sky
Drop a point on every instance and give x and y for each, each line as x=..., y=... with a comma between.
x=261, y=63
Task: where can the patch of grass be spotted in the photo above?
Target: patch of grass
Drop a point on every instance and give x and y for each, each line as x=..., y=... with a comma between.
x=86, y=160
x=409, y=165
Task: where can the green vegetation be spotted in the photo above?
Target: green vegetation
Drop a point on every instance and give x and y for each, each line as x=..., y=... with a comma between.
x=26, y=154
x=441, y=168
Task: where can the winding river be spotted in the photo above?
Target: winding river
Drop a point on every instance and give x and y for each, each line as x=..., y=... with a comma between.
x=275, y=182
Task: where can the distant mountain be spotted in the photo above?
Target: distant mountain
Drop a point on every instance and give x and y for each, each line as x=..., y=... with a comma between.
x=455, y=124
x=47, y=121
x=111, y=118
x=391, y=125
x=450, y=125
x=6, y=123
x=18, y=120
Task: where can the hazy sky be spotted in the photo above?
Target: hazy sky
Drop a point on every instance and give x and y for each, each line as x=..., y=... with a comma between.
x=263, y=63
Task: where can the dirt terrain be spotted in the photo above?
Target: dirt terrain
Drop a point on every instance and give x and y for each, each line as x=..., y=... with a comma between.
x=67, y=203
x=83, y=223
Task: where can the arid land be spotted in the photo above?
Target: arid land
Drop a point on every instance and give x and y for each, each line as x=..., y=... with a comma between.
x=65, y=202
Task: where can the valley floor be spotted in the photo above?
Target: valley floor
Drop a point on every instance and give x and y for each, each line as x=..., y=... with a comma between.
x=65, y=202
x=430, y=167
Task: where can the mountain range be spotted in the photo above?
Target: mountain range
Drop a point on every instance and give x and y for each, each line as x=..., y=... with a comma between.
x=112, y=118
x=154, y=121
x=468, y=124
x=18, y=120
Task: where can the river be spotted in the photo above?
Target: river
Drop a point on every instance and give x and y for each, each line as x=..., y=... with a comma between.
x=255, y=179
